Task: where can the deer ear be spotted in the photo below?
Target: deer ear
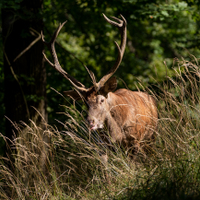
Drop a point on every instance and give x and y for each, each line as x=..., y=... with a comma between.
x=109, y=86
x=72, y=94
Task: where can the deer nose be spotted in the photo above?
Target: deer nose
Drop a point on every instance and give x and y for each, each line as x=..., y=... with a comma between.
x=91, y=122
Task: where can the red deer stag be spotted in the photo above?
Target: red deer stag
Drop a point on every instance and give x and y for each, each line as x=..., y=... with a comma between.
x=130, y=116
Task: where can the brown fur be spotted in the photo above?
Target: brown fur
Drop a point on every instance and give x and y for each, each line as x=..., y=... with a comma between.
x=136, y=115
x=131, y=117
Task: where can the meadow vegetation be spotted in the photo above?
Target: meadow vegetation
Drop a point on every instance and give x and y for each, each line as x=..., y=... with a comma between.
x=74, y=169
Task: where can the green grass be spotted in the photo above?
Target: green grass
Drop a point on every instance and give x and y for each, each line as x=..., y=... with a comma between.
x=71, y=165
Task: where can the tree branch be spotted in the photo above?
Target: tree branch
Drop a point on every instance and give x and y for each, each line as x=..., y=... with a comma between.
x=30, y=45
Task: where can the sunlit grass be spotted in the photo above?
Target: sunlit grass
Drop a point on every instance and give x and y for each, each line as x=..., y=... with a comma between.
x=72, y=164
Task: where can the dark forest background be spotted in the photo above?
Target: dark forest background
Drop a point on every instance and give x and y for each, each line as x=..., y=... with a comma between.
x=158, y=33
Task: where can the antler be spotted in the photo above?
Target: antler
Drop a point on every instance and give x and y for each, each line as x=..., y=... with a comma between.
x=121, y=25
x=56, y=64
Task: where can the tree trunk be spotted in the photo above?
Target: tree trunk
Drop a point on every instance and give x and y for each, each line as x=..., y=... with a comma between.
x=25, y=74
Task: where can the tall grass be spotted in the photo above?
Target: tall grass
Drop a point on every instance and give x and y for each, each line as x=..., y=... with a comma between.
x=72, y=164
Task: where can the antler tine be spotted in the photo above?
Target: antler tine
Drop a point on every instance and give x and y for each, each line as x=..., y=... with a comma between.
x=121, y=25
x=120, y=22
x=56, y=65
x=92, y=76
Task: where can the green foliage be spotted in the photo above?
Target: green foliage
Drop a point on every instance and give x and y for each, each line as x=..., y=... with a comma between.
x=10, y=4
x=157, y=31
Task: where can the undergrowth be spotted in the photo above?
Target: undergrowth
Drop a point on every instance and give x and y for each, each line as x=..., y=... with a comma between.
x=70, y=164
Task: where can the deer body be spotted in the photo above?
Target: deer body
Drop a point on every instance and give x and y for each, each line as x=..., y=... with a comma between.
x=130, y=117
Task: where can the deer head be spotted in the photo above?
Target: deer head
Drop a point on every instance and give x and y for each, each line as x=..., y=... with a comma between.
x=97, y=96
